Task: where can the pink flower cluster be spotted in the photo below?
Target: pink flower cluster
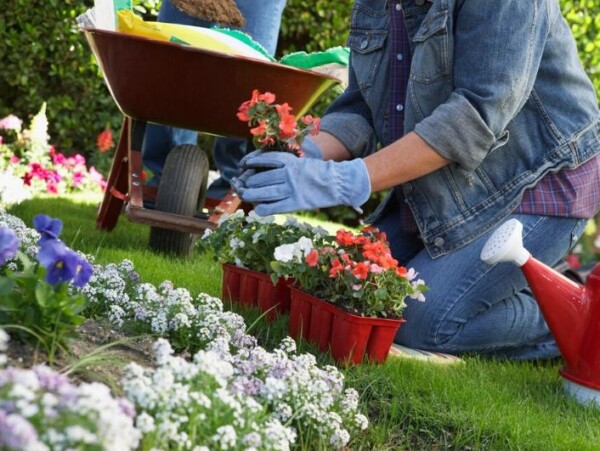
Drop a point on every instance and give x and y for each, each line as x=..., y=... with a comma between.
x=49, y=171
x=62, y=174
x=10, y=122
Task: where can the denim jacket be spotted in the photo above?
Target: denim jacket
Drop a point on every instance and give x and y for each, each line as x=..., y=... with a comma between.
x=496, y=87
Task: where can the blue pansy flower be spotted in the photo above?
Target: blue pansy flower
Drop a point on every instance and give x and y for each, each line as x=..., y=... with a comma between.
x=9, y=244
x=48, y=227
x=83, y=274
x=60, y=261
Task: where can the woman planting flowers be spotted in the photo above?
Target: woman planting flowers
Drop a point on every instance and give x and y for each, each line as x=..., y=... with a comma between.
x=461, y=151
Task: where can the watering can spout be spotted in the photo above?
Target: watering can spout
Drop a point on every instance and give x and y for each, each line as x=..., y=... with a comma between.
x=572, y=311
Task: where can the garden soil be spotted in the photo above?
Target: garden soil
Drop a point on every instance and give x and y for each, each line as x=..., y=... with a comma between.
x=91, y=335
x=222, y=12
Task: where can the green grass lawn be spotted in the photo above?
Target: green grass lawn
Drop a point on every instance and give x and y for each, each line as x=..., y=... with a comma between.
x=482, y=404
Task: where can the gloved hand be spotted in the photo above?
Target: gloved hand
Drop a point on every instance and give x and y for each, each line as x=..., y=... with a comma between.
x=309, y=147
x=291, y=183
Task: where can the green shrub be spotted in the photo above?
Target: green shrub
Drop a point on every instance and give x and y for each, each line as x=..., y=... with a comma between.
x=584, y=18
x=45, y=59
x=313, y=25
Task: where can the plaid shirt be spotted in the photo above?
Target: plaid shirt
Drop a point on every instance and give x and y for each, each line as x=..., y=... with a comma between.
x=571, y=193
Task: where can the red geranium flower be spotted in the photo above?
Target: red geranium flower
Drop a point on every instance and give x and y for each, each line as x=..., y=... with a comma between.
x=361, y=270
x=336, y=267
x=104, y=141
x=357, y=272
x=274, y=126
x=312, y=258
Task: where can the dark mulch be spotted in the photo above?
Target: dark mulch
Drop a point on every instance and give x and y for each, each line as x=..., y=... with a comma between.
x=222, y=12
x=91, y=335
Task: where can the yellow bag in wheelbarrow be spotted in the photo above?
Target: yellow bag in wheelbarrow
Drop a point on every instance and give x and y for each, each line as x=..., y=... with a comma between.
x=204, y=38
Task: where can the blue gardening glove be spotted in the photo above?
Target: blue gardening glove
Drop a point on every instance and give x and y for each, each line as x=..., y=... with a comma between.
x=310, y=149
x=291, y=183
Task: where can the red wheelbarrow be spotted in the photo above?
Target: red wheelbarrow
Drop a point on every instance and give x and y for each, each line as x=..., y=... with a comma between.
x=180, y=86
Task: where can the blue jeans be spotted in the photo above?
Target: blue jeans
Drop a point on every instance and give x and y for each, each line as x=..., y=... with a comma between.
x=474, y=307
x=263, y=20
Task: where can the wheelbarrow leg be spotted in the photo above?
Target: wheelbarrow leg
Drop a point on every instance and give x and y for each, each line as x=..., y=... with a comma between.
x=223, y=207
x=116, y=187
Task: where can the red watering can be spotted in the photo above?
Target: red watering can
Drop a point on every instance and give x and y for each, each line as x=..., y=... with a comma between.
x=571, y=310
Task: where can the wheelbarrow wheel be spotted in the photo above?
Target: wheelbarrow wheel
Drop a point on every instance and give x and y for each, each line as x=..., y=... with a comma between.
x=181, y=191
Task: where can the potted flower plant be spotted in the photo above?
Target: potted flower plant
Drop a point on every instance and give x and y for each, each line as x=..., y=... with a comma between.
x=349, y=293
x=273, y=126
x=244, y=245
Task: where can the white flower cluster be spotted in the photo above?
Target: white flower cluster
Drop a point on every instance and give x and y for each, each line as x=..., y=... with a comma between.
x=28, y=237
x=3, y=347
x=293, y=252
x=115, y=291
x=12, y=189
x=298, y=391
x=186, y=404
x=42, y=410
x=293, y=387
x=249, y=241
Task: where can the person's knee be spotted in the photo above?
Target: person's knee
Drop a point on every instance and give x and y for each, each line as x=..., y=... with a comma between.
x=425, y=328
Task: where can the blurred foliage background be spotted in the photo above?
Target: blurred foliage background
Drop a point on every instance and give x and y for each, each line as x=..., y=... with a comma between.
x=44, y=58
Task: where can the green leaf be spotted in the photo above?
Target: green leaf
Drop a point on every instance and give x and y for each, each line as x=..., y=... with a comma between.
x=6, y=286
x=43, y=293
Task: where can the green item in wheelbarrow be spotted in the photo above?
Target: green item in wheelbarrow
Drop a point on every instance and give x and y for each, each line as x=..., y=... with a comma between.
x=303, y=60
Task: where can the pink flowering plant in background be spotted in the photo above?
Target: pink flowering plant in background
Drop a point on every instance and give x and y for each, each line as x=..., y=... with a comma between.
x=354, y=271
x=273, y=126
x=28, y=158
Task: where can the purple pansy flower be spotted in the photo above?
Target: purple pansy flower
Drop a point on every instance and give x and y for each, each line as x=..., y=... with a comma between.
x=48, y=227
x=60, y=261
x=9, y=244
x=83, y=274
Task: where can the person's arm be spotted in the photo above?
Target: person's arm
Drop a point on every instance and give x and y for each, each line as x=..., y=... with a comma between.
x=331, y=148
x=417, y=157
x=347, y=125
x=406, y=159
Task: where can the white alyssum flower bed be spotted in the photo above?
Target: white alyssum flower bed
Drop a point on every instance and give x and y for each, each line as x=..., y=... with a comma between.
x=233, y=394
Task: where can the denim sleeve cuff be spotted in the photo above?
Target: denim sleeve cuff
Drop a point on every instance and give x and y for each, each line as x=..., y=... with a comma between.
x=457, y=132
x=352, y=130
